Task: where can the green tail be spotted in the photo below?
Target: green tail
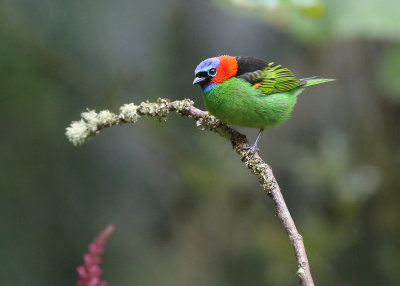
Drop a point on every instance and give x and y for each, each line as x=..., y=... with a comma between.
x=315, y=80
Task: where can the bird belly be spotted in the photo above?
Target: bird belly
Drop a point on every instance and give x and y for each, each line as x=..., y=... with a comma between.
x=236, y=102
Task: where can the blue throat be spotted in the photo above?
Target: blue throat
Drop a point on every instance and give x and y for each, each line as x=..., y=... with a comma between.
x=209, y=87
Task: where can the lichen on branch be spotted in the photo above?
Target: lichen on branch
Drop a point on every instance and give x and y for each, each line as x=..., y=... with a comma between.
x=92, y=122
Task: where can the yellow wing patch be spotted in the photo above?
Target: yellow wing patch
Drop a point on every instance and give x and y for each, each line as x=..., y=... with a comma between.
x=276, y=78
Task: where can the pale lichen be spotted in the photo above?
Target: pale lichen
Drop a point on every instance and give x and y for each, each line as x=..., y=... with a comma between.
x=300, y=271
x=77, y=132
x=155, y=109
x=149, y=108
x=182, y=104
x=129, y=113
x=80, y=131
x=208, y=122
x=91, y=120
x=200, y=124
x=212, y=121
x=107, y=118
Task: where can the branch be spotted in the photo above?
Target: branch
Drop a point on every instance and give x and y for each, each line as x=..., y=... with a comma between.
x=92, y=122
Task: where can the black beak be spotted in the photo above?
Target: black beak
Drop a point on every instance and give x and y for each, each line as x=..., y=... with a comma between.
x=198, y=80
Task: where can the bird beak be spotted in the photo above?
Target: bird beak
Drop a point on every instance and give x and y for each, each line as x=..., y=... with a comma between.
x=198, y=80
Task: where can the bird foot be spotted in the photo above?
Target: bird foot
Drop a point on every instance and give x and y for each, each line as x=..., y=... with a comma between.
x=252, y=148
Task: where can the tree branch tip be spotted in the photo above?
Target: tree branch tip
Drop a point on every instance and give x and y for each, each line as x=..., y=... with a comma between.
x=91, y=122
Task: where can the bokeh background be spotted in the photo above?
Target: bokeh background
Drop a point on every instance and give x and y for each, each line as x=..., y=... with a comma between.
x=186, y=210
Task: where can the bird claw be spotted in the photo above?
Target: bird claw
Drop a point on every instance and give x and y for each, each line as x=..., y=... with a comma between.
x=252, y=148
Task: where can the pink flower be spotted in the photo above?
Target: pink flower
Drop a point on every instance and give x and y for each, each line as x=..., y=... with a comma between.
x=90, y=271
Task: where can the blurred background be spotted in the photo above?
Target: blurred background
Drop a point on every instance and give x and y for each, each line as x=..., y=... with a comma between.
x=186, y=210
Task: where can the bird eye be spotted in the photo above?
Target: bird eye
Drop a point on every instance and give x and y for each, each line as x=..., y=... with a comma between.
x=212, y=72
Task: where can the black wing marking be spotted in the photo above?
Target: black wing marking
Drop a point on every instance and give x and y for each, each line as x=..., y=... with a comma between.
x=253, y=77
x=249, y=64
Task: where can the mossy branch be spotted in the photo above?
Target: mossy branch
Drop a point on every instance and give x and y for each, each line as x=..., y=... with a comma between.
x=92, y=122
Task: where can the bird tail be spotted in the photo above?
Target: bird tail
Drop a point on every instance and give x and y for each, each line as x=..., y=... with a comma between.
x=309, y=81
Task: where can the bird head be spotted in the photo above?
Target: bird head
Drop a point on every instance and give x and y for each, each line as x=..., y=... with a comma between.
x=213, y=71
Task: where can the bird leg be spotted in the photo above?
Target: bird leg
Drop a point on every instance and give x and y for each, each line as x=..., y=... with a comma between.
x=254, y=147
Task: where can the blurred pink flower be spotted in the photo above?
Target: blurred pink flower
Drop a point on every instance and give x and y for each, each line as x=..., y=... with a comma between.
x=90, y=271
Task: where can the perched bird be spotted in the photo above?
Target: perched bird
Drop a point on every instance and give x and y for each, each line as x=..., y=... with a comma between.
x=245, y=91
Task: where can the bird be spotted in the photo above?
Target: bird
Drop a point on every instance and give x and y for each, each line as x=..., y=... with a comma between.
x=249, y=92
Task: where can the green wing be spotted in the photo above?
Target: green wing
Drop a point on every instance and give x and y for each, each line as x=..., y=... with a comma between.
x=272, y=79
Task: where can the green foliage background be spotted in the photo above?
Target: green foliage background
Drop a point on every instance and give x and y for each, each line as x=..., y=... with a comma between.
x=186, y=211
